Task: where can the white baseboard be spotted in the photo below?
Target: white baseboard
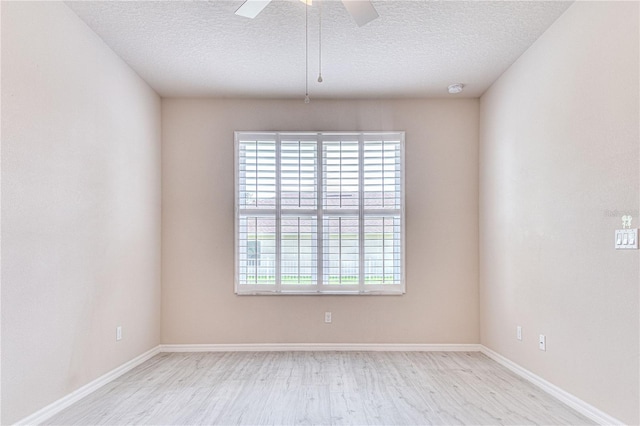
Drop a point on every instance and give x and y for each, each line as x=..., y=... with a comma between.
x=572, y=401
x=59, y=405
x=344, y=347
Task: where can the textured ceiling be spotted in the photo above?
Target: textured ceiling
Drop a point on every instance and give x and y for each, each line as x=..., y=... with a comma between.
x=415, y=48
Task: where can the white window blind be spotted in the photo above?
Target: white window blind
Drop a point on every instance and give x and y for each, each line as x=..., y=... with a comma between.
x=319, y=213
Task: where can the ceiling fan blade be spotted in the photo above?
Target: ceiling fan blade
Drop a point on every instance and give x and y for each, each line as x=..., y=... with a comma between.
x=251, y=8
x=362, y=11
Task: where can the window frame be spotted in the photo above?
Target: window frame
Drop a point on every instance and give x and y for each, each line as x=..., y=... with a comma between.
x=320, y=288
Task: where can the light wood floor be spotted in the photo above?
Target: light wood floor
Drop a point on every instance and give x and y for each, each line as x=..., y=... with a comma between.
x=319, y=388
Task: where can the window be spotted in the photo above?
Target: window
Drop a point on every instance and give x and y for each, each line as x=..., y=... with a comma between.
x=319, y=213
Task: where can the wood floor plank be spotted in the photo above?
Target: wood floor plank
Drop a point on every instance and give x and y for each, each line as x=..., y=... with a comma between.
x=319, y=388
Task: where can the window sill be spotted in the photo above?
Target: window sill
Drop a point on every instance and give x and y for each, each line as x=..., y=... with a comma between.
x=318, y=293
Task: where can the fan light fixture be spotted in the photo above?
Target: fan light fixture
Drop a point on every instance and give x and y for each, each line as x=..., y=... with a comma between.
x=362, y=11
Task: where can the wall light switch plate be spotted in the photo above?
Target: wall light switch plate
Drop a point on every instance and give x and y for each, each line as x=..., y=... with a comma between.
x=519, y=333
x=626, y=239
x=118, y=333
x=542, y=342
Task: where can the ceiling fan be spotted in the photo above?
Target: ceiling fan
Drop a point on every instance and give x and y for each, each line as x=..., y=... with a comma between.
x=362, y=11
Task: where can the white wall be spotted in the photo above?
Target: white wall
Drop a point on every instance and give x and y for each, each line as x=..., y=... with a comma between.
x=559, y=149
x=80, y=208
x=198, y=303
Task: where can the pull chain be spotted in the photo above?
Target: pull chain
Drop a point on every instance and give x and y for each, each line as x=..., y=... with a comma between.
x=306, y=53
x=320, y=42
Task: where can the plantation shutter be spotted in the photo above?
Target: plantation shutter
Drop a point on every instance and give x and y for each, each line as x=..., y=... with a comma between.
x=319, y=213
x=382, y=211
x=298, y=207
x=341, y=205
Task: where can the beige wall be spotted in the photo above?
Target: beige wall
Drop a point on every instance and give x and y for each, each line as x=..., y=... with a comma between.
x=80, y=208
x=81, y=213
x=198, y=303
x=558, y=153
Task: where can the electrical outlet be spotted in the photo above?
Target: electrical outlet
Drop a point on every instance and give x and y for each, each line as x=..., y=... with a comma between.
x=519, y=333
x=118, y=333
x=542, y=342
x=327, y=317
